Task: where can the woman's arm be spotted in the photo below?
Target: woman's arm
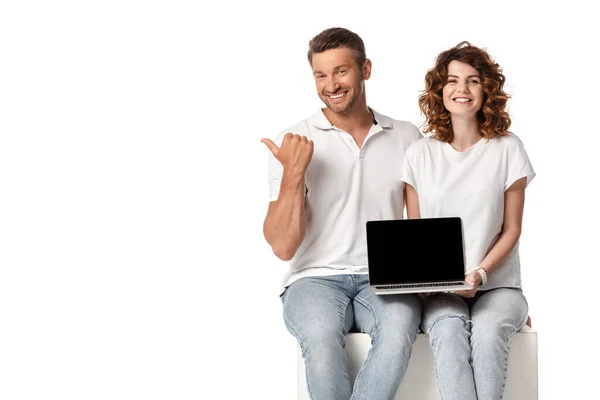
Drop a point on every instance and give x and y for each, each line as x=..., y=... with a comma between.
x=514, y=201
x=412, y=202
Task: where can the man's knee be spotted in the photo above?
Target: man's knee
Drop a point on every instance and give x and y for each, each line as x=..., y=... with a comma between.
x=326, y=345
x=402, y=312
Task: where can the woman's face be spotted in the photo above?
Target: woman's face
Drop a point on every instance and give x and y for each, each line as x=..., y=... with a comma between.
x=463, y=93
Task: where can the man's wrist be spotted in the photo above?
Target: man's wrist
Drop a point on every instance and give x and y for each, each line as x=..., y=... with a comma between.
x=293, y=178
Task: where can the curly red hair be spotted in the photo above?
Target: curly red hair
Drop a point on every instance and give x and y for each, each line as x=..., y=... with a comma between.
x=492, y=117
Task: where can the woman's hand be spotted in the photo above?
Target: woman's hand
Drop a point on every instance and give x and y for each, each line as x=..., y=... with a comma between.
x=472, y=279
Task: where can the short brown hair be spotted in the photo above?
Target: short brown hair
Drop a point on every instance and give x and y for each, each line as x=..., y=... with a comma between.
x=334, y=38
x=493, y=118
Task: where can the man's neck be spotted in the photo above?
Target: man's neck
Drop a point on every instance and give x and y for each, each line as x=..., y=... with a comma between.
x=355, y=122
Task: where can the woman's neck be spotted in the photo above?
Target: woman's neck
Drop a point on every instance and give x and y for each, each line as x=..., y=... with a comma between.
x=466, y=132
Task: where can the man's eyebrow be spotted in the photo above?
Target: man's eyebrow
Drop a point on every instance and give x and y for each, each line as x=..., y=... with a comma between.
x=316, y=71
x=342, y=66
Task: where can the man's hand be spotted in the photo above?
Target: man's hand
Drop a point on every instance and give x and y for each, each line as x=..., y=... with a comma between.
x=473, y=279
x=294, y=154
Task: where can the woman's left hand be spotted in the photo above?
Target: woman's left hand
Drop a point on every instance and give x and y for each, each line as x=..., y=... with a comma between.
x=472, y=279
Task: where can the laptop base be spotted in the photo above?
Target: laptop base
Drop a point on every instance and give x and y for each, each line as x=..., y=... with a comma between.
x=421, y=288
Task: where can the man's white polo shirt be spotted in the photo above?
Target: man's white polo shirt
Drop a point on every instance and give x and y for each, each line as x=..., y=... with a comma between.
x=346, y=186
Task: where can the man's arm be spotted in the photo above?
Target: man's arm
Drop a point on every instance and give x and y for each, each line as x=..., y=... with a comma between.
x=285, y=223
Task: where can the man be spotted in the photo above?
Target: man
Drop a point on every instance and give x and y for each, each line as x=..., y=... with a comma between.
x=329, y=175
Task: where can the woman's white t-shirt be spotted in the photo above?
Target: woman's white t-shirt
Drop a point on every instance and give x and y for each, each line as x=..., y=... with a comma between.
x=470, y=185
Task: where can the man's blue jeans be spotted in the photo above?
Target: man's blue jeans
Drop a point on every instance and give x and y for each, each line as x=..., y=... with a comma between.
x=470, y=340
x=320, y=311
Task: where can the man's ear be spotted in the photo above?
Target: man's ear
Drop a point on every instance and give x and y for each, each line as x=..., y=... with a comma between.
x=366, y=69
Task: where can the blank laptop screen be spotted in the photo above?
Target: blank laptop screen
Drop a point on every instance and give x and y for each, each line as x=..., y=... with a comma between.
x=415, y=250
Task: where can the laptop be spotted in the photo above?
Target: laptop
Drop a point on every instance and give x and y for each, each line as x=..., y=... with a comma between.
x=416, y=255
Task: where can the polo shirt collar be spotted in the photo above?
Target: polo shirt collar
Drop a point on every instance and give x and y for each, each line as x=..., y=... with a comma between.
x=318, y=120
x=382, y=120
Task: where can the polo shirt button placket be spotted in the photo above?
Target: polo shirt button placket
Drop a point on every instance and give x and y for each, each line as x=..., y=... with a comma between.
x=350, y=141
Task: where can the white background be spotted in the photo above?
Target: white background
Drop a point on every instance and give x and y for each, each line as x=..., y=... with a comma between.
x=133, y=184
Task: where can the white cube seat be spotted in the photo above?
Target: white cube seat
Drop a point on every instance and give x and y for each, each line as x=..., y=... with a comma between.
x=419, y=383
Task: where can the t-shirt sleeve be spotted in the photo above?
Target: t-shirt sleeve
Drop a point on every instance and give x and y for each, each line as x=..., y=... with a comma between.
x=275, y=172
x=408, y=175
x=519, y=165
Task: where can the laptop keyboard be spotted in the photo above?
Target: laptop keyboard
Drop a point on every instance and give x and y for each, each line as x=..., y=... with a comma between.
x=420, y=285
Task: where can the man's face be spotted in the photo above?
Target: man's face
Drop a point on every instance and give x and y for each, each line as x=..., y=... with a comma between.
x=340, y=82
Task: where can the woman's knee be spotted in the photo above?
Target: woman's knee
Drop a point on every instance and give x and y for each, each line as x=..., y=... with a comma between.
x=447, y=326
x=449, y=337
x=451, y=310
x=490, y=330
x=498, y=315
x=501, y=306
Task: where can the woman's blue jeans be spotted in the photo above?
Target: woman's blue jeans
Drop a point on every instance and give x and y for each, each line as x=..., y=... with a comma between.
x=470, y=340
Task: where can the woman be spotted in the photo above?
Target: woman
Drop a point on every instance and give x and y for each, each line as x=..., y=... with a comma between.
x=472, y=167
